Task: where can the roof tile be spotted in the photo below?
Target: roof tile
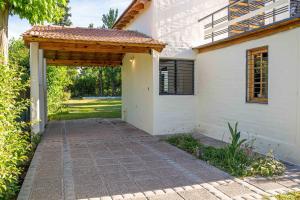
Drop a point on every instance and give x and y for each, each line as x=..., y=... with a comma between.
x=89, y=34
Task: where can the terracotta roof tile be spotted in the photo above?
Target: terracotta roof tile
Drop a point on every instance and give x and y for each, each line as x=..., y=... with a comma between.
x=89, y=34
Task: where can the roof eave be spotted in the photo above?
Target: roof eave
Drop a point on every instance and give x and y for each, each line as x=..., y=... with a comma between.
x=158, y=47
x=132, y=8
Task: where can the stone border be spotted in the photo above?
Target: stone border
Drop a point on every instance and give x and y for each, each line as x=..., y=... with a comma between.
x=25, y=191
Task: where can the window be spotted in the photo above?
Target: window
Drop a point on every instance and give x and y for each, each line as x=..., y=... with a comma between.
x=176, y=77
x=257, y=72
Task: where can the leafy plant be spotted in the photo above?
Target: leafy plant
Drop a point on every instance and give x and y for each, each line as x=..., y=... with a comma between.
x=236, y=159
x=235, y=146
x=266, y=166
x=185, y=142
x=59, y=79
x=289, y=196
x=14, y=141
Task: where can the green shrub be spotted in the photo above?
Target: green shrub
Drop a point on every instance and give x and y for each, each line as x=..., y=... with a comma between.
x=218, y=157
x=232, y=158
x=185, y=142
x=58, y=79
x=266, y=166
x=14, y=141
x=289, y=196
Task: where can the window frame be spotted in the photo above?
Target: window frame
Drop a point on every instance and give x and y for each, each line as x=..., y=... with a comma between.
x=175, y=78
x=250, y=82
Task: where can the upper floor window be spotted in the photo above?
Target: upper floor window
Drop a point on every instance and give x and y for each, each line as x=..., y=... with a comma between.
x=176, y=77
x=257, y=72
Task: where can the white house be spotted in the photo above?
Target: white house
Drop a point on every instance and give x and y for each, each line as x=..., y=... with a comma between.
x=236, y=61
x=206, y=63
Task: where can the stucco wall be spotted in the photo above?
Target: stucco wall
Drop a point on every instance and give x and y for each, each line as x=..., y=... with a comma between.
x=176, y=23
x=221, y=95
x=137, y=91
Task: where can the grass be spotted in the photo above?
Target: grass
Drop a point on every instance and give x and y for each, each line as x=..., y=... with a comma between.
x=83, y=109
x=289, y=196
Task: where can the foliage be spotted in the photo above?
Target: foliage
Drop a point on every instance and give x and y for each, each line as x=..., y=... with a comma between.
x=266, y=166
x=14, y=141
x=19, y=54
x=82, y=109
x=185, y=142
x=236, y=159
x=65, y=20
x=35, y=11
x=232, y=158
x=289, y=196
x=235, y=146
x=58, y=81
x=110, y=18
x=97, y=82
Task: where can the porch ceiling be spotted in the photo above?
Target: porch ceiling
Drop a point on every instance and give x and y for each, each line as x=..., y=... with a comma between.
x=89, y=47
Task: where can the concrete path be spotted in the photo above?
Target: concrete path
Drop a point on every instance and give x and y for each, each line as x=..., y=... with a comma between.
x=109, y=159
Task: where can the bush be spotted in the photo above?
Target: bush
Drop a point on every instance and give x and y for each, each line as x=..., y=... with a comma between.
x=289, y=196
x=58, y=79
x=14, y=141
x=266, y=166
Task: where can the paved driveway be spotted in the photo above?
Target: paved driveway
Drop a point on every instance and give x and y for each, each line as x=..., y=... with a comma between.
x=110, y=159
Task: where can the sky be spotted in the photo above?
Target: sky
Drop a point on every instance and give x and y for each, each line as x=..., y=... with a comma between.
x=83, y=13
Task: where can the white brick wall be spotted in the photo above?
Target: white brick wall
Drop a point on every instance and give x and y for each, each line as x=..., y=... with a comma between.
x=221, y=95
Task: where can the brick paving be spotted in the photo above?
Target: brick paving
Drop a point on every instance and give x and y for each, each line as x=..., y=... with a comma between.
x=101, y=159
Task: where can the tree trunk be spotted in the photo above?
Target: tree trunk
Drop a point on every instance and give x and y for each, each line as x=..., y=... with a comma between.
x=4, y=35
x=100, y=83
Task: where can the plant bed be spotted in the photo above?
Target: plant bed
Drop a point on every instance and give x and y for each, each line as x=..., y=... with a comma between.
x=289, y=196
x=235, y=158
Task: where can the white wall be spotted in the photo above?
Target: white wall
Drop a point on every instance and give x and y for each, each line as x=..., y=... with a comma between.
x=143, y=22
x=175, y=23
x=221, y=95
x=137, y=91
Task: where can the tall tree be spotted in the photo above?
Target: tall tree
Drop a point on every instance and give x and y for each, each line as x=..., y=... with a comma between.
x=108, y=21
x=110, y=18
x=65, y=20
x=35, y=11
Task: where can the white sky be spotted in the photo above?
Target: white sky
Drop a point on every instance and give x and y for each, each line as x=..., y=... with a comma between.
x=83, y=13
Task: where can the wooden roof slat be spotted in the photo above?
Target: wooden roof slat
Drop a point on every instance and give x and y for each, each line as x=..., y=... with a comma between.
x=94, y=48
x=61, y=62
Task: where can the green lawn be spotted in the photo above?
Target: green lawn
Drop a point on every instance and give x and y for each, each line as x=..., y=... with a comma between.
x=82, y=109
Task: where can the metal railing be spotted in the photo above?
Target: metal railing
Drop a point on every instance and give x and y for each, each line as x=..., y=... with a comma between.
x=245, y=15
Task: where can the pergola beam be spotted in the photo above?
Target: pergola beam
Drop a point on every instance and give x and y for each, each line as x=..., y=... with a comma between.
x=59, y=62
x=79, y=47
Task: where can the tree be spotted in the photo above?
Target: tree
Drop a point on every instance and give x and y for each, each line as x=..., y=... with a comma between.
x=35, y=11
x=65, y=20
x=110, y=18
x=108, y=21
x=91, y=25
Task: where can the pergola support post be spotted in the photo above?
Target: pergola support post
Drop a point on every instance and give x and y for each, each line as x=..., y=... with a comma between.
x=45, y=91
x=36, y=89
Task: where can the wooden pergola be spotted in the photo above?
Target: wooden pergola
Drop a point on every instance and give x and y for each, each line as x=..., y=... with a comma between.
x=67, y=46
x=88, y=47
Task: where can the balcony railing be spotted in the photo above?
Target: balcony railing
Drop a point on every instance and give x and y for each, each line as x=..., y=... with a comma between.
x=245, y=15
